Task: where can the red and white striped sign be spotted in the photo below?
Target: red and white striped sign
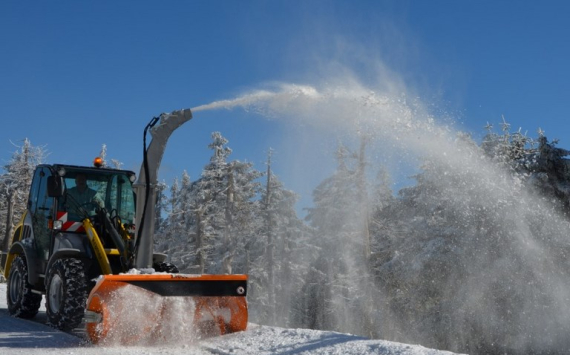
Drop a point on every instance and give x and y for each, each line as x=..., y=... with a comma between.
x=70, y=226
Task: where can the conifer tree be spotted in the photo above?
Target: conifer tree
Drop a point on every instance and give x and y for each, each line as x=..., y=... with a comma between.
x=224, y=208
x=279, y=251
x=341, y=228
x=15, y=184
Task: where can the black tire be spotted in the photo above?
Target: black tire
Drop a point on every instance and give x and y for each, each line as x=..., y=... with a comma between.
x=22, y=302
x=66, y=293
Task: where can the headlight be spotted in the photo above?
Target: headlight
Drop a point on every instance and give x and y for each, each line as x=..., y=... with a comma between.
x=57, y=224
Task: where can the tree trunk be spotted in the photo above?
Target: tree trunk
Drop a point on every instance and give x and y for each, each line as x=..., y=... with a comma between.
x=270, y=244
x=200, y=242
x=158, y=208
x=367, y=318
x=228, y=240
x=364, y=198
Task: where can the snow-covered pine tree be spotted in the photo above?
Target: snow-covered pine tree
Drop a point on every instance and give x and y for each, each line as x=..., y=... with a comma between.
x=103, y=155
x=181, y=222
x=224, y=209
x=165, y=239
x=15, y=183
x=337, y=276
x=209, y=207
x=474, y=250
x=3, y=215
x=161, y=206
x=280, y=253
x=242, y=216
x=115, y=163
x=538, y=163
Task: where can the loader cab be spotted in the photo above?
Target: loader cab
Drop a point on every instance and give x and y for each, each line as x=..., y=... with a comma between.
x=56, y=215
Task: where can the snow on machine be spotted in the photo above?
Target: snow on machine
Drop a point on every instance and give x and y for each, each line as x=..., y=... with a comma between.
x=86, y=242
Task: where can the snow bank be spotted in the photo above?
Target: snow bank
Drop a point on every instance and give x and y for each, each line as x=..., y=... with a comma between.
x=263, y=340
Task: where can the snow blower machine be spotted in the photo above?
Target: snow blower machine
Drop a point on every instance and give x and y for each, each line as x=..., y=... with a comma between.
x=86, y=243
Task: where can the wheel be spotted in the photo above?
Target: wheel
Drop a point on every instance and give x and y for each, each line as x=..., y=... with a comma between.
x=66, y=293
x=22, y=302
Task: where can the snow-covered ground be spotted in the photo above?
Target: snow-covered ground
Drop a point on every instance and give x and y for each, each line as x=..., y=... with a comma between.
x=18, y=336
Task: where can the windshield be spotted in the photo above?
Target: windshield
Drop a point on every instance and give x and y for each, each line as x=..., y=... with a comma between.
x=87, y=190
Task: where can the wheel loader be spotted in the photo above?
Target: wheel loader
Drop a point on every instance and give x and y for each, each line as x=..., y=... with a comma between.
x=86, y=243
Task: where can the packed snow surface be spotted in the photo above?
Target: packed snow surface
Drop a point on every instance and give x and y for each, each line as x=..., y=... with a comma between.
x=19, y=336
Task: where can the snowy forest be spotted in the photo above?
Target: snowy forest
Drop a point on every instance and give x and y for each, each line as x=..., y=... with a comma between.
x=455, y=261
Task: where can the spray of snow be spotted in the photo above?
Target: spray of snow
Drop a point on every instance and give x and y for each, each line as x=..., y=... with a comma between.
x=266, y=101
x=403, y=129
x=139, y=317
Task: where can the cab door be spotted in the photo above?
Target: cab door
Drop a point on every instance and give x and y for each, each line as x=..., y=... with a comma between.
x=41, y=209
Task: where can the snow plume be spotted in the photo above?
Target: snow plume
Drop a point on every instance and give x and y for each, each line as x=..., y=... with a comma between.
x=267, y=102
x=469, y=259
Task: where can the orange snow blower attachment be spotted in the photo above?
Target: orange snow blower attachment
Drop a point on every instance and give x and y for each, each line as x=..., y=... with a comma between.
x=131, y=306
x=134, y=308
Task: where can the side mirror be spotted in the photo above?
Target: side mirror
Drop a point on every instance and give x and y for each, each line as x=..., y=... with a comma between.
x=55, y=186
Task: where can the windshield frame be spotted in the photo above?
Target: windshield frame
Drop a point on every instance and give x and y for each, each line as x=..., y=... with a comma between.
x=113, y=188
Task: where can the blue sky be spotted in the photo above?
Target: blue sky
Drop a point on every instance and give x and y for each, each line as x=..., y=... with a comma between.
x=77, y=74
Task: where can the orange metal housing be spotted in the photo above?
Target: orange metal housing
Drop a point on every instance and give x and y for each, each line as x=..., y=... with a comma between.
x=217, y=305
